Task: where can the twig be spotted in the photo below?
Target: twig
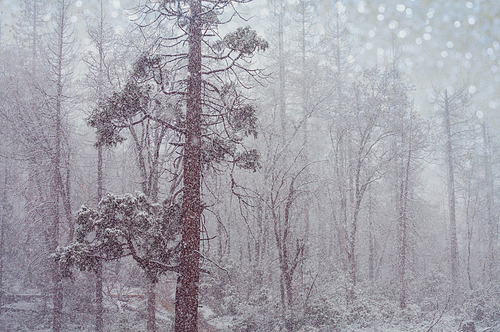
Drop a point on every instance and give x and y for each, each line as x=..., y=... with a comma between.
x=440, y=316
x=214, y=263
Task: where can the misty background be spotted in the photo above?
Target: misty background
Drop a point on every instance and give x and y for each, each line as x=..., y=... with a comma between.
x=353, y=186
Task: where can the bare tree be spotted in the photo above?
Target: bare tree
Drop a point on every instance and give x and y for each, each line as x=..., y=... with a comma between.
x=453, y=114
x=98, y=72
x=361, y=153
x=340, y=73
x=471, y=197
x=408, y=160
x=37, y=115
x=59, y=188
x=5, y=217
x=290, y=248
x=491, y=211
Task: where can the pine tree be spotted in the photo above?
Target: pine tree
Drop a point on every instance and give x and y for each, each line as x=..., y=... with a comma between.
x=200, y=84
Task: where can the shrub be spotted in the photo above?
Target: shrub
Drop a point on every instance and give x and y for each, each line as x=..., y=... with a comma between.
x=322, y=312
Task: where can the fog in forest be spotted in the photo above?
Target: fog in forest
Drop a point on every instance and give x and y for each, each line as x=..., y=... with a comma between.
x=237, y=165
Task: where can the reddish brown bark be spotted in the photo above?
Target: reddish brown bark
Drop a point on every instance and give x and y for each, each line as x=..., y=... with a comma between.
x=186, y=297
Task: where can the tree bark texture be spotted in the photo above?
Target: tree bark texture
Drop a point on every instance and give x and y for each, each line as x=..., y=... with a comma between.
x=186, y=297
x=151, y=324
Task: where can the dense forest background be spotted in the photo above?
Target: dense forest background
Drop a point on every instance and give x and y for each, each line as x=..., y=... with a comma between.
x=350, y=166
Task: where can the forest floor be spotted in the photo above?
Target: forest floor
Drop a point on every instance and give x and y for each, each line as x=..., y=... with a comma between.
x=28, y=316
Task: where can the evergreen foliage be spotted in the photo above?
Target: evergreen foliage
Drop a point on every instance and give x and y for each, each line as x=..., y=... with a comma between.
x=121, y=226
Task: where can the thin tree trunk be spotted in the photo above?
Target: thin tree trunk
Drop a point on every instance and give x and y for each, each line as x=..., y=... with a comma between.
x=99, y=306
x=371, y=244
x=154, y=175
x=288, y=261
x=470, y=212
x=220, y=244
x=55, y=193
x=469, y=242
x=305, y=132
x=403, y=227
x=57, y=190
x=356, y=200
x=492, y=236
x=3, y=221
x=451, y=193
x=54, y=232
x=281, y=76
x=139, y=147
x=2, y=244
x=35, y=36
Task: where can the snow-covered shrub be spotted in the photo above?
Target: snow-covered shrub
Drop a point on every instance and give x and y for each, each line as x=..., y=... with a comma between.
x=359, y=314
x=434, y=291
x=218, y=290
x=260, y=314
x=322, y=312
x=387, y=309
x=411, y=314
x=483, y=306
x=78, y=300
x=255, y=323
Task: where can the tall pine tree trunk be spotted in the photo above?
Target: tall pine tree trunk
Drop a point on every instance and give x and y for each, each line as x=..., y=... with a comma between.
x=186, y=297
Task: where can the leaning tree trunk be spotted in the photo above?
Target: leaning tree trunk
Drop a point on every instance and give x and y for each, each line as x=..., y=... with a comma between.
x=186, y=297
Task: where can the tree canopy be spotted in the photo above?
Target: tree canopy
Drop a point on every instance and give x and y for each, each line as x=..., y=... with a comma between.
x=121, y=226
